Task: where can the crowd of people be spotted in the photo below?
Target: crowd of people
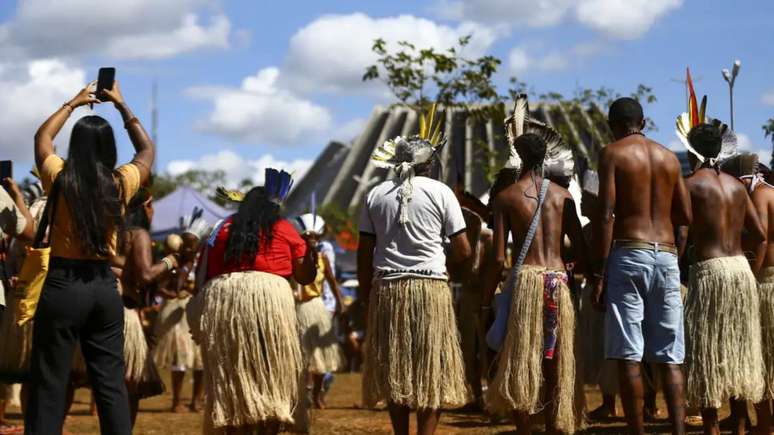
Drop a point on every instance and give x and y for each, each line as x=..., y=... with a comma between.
x=507, y=308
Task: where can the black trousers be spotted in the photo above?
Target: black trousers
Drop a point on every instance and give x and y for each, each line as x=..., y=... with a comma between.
x=79, y=302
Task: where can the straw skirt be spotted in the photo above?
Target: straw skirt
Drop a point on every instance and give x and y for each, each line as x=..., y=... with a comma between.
x=722, y=333
x=176, y=349
x=140, y=371
x=766, y=290
x=412, y=350
x=251, y=349
x=519, y=378
x=322, y=352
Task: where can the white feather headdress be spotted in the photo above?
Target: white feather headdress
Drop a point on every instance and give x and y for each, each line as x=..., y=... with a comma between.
x=195, y=224
x=559, y=160
x=403, y=154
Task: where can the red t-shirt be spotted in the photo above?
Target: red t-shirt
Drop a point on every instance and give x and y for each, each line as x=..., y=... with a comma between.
x=277, y=258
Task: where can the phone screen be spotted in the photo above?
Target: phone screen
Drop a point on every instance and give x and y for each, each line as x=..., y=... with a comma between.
x=105, y=80
x=6, y=169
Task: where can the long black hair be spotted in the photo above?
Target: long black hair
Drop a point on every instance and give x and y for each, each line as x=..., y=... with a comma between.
x=252, y=226
x=88, y=185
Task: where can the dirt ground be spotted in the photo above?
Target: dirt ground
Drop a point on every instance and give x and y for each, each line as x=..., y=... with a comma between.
x=343, y=416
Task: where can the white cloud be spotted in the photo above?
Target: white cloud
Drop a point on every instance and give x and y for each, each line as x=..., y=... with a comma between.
x=123, y=29
x=768, y=98
x=188, y=37
x=538, y=13
x=238, y=168
x=623, y=19
x=744, y=143
x=261, y=112
x=31, y=92
x=520, y=61
x=331, y=53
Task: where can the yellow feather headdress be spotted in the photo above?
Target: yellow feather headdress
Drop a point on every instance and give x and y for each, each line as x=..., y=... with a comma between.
x=412, y=150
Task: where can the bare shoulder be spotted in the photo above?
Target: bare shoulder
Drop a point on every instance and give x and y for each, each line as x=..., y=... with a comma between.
x=764, y=194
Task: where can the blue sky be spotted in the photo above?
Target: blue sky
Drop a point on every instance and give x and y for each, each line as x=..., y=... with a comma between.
x=242, y=86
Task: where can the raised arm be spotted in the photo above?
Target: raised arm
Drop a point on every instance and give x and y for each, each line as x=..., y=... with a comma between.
x=28, y=233
x=44, y=138
x=145, y=150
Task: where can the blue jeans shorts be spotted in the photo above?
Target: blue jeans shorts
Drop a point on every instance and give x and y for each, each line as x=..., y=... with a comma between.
x=644, y=318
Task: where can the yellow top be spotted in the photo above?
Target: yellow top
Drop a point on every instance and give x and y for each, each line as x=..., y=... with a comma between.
x=64, y=243
x=315, y=289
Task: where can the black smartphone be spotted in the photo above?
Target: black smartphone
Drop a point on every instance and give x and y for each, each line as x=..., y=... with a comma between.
x=105, y=79
x=6, y=169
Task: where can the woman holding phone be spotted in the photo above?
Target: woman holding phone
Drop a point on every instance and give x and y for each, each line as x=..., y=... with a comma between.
x=79, y=301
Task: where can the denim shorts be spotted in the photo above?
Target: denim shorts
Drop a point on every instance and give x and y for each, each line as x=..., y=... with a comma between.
x=644, y=318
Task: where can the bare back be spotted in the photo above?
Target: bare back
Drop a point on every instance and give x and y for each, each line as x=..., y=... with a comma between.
x=518, y=203
x=646, y=182
x=719, y=205
x=763, y=200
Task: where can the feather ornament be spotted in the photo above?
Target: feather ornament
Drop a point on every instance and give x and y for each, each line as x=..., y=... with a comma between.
x=229, y=195
x=693, y=109
x=559, y=160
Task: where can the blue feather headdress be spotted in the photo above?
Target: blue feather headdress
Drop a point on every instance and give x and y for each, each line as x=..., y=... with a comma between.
x=277, y=184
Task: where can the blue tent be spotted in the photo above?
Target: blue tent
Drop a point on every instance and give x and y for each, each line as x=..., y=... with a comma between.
x=181, y=202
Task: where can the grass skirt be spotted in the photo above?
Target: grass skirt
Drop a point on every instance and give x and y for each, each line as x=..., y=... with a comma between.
x=412, y=349
x=722, y=333
x=766, y=289
x=318, y=339
x=519, y=378
x=140, y=371
x=176, y=348
x=251, y=349
x=15, y=345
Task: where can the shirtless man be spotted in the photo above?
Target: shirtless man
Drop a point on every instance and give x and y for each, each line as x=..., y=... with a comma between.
x=721, y=308
x=642, y=199
x=763, y=199
x=540, y=297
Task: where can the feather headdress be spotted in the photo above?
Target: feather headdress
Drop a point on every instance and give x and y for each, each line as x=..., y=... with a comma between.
x=697, y=114
x=559, y=160
x=229, y=195
x=195, y=224
x=277, y=184
x=403, y=154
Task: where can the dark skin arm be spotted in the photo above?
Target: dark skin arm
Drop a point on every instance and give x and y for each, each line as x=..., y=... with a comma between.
x=682, y=215
x=141, y=260
x=574, y=230
x=18, y=198
x=460, y=248
x=494, y=267
x=305, y=268
x=604, y=238
x=365, y=265
x=756, y=232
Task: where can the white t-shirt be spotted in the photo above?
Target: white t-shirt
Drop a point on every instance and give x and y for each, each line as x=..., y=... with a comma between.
x=415, y=248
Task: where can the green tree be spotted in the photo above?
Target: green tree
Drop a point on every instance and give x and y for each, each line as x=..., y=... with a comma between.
x=200, y=180
x=768, y=131
x=419, y=77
